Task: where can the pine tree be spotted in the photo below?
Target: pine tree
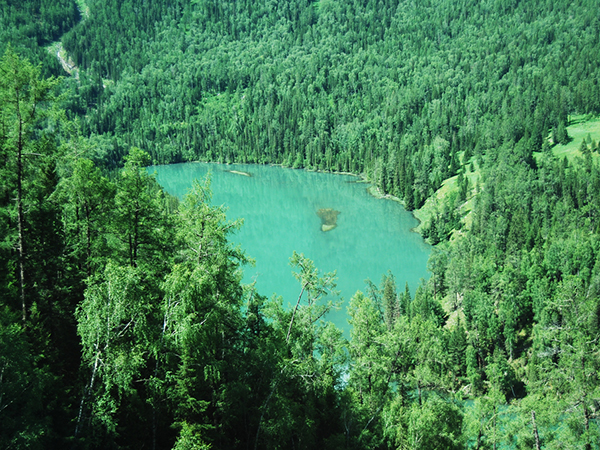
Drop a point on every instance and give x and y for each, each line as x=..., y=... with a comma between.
x=25, y=100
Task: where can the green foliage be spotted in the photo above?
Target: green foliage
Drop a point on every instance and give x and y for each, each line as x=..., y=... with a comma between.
x=21, y=386
x=435, y=425
x=88, y=213
x=357, y=87
x=113, y=326
x=190, y=439
x=26, y=153
x=123, y=315
x=316, y=288
x=141, y=223
x=304, y=404
x=30, y=25
x=561, y=136
x=567, y=360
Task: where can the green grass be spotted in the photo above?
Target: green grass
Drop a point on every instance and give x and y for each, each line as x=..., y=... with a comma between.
x=450, y=186
x=435, y=202
x=578, y=130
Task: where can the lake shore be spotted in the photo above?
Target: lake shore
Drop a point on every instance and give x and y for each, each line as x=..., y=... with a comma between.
x=373, y=190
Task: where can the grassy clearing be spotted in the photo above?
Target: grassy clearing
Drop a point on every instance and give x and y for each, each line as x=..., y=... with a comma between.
x=450, y=187
x=435, y=202
x=578, y=130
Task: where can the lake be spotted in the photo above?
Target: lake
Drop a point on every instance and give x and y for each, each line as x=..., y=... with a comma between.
x=280, y=207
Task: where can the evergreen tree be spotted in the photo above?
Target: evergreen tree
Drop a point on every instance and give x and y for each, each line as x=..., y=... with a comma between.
x=25, y=99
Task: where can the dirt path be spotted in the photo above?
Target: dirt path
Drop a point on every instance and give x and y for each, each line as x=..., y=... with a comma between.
x=57, y=48
x=67, y=63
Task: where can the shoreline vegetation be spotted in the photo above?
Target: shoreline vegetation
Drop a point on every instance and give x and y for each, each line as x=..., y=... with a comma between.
x=372, y=189
x=126, y=325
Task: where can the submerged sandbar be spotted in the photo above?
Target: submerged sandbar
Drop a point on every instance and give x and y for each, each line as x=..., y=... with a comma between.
x=328, y=218
x=239, y=172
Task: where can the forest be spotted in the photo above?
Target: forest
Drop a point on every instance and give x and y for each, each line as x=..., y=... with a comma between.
x=124, y=322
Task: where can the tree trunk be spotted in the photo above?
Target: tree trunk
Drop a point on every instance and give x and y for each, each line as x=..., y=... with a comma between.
x=586, y=423
x=494, y=425
x=87, y=390
x=287, y=338
x=535, y=431
x=20, y=215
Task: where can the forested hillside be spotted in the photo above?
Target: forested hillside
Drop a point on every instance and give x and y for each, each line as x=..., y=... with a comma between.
x=29, y=26
x=392, y=89
x=124, y=322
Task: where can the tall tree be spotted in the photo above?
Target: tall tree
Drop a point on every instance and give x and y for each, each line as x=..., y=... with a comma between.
x=114, y=324
x=141, y=222
x=87, y=213
x=25, y=100
x=567, y=359
x=199, y=343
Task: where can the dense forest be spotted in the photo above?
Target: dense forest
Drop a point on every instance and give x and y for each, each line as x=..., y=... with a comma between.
x=124, y=321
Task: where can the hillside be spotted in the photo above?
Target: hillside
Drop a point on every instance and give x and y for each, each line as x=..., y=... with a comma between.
x=124, y=322
x=391, y=89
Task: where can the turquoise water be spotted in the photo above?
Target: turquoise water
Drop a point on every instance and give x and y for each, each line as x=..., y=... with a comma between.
x=279, y=207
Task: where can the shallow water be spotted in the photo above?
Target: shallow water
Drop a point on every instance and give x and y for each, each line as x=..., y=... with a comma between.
x=280, y=206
